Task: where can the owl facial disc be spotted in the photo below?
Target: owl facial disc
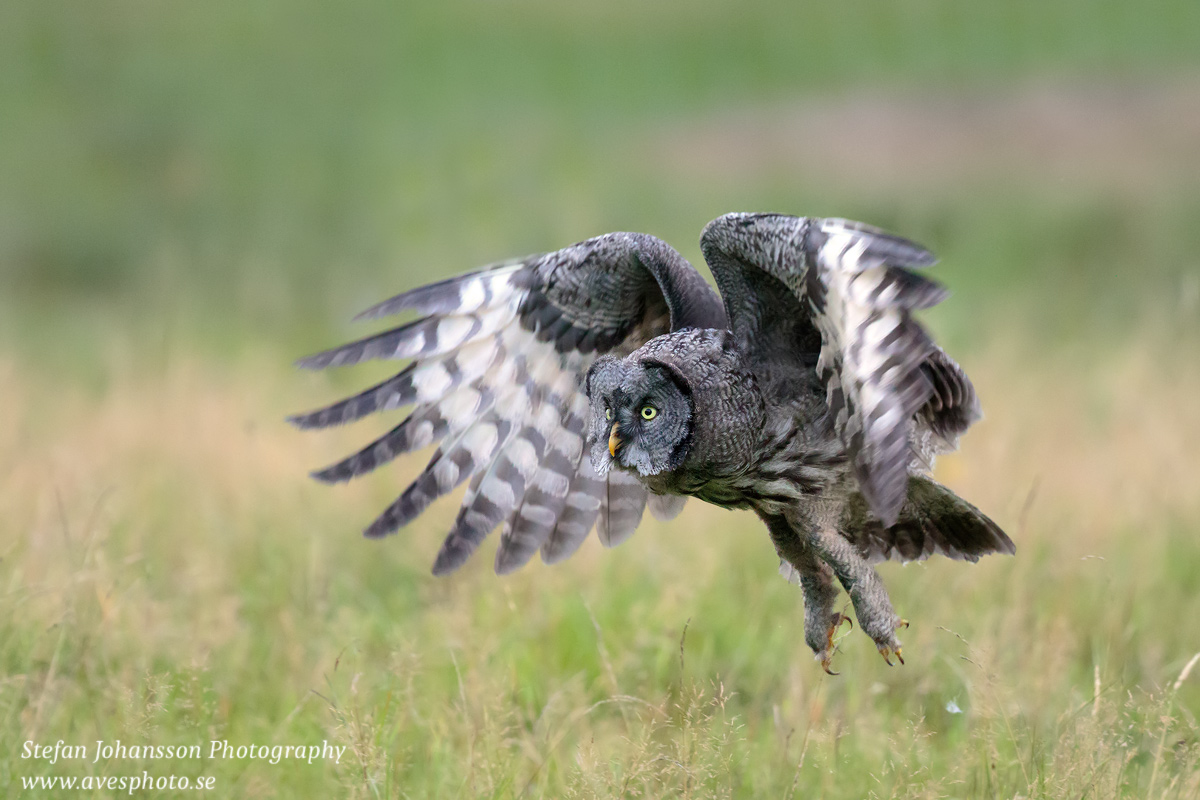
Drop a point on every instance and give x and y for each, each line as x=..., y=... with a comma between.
x=642, y=414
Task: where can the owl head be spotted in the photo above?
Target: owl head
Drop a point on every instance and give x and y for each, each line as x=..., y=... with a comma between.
x=641, y=415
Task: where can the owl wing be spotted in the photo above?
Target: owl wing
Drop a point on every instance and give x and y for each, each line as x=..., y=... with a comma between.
x=497, y=364
x=837, y=297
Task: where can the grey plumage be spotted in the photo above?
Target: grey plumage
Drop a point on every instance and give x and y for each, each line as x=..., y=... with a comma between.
x=574, y=389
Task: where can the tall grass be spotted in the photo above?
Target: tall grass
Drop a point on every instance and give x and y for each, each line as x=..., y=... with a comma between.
x=175, y=579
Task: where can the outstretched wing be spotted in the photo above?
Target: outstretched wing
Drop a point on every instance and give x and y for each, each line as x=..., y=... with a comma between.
x=496, y=372
x=838, y=296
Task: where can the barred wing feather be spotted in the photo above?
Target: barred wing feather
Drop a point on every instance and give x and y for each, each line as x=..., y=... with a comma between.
x=886, y=382
x=495, y=378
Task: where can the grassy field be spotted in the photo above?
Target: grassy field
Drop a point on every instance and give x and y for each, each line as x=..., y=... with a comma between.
x=193, y=195
x=178, y=582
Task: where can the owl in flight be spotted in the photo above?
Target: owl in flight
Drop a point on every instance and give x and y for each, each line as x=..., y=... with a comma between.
x=573, y=389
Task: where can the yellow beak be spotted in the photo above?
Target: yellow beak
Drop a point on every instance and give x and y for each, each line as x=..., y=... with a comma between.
x=614, y=441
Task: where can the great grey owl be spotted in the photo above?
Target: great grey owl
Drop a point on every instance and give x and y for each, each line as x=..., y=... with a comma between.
x=575, y=388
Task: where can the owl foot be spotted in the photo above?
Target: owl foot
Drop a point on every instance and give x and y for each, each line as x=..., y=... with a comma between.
x=887, y=651
x=826, y=655
x=890, y=647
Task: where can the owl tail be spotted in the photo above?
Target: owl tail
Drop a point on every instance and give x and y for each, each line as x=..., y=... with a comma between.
x=933, y=520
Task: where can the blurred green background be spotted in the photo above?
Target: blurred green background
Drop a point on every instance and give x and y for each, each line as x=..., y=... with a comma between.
x=239, y=170
x=193, y=194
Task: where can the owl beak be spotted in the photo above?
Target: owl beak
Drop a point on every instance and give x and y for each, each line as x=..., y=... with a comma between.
x=614, y=441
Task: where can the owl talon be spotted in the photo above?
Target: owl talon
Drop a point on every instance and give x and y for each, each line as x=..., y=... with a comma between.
x=836, y=622
x=887, y=652
x=826, y=655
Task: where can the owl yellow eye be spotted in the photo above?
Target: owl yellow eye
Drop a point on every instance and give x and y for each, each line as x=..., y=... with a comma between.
x=649, y=412
x=608, y=413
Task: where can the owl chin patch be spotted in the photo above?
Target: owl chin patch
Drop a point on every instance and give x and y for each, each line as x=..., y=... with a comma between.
x=630, y=458
x=639, y=461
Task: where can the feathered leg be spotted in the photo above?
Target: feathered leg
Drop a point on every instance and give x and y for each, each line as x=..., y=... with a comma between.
x=816, y=583
x=871, y=603
x=820, y=620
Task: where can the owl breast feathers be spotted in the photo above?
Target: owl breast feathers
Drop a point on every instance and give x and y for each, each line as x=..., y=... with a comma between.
x=570, y=390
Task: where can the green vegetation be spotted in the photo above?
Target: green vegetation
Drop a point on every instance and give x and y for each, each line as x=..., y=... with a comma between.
x=193, y=194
